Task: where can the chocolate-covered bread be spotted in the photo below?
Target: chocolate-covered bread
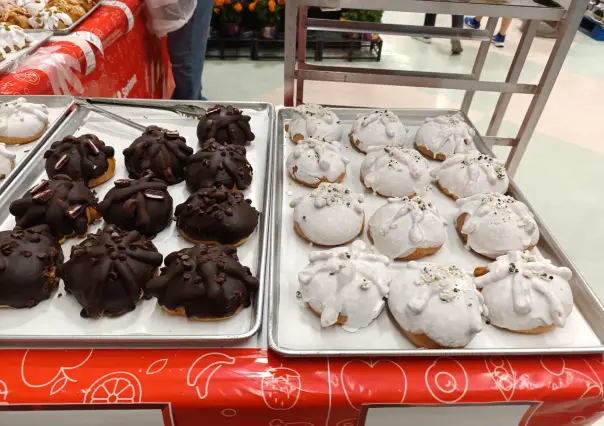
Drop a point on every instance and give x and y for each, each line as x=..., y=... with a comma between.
x=84, y=158
x=28, y=262
x=142, y=205
x=66, y=206
x=163, y=152
x=204, y=282
x=216, y=216
x=107, y=272
x=218, y=165
x=227, y=125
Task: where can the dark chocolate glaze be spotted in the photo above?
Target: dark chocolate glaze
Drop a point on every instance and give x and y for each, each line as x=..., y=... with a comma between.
x=218, y=165
x=163, y=152
x=81, y=158
x=227, y=125
x=28, y=259
x=142, y=205
x=216, y=215
x=61, y=203
x=107, y=272
x=208, y=282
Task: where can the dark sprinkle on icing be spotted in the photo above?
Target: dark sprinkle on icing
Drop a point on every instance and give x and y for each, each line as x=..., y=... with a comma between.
x=227, y=125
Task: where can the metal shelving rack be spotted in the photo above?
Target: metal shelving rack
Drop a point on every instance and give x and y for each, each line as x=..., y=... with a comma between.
x=297, y=70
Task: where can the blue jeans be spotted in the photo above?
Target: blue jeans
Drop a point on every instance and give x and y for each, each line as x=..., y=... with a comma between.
x=187, y=49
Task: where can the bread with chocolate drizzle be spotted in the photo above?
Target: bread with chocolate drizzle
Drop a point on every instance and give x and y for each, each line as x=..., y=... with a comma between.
x=84, y=158
x=216, y=216
x=163, y=152
x=65, y=205
x=142, y=205
x=107, y=272
x=205, y=283
x=218, y=165
x=228, y=125
x=28, y=262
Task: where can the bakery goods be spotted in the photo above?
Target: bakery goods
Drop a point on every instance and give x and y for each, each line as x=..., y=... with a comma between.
x=7, y=161
x=142, y=205
x=330, y=215
x=28, y=262
x=21, y=121
x=225, y=124
x=313, y=121
x=218, y=165
x=84, y=4
x=12, y=39
x=393, y=171
x=107, y=272
x=435, y=306
x=66, y=206
x=317, y=160
x=17, y=16
x=34, y=7
x=216, y=215
x=345, y=285
x=377, y=128
x=6, y=5
x=160, y=151
x=464, y=175
x=73, y=8
x=85, y=158
x=442, y=137
x=50, y=18
x=525, y=293
x=407, y=229
x=493, y=224
x=205, y=283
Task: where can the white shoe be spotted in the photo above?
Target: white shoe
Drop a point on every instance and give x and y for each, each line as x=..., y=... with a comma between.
x=426, y=40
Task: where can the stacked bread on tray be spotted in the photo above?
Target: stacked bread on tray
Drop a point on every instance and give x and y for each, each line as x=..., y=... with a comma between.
x=109, y=272
x=43, y=14
x=435, y=305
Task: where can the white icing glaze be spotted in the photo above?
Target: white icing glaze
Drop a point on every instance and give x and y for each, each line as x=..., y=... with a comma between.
x=349, y=281
x=496, y=224
x=34, y=7
x=7, y=160
x=473, y=173
x=21, y=119
x=317, y=160
x=524, y=292
x=447, y=135
x=330, y=215
x=314, y=121
x=438, y=301
x=403, y=225
x=50, y=19
x=12, y=39
x=393, y=171
x=378, y=128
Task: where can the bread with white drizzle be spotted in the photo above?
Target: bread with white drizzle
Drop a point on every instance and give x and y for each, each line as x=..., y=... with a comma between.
x=12, y=39
x=436, y=307
x=442, y=137
x=377, y=128
x=21, y=121
x=313, y=121
x=316, y=160
x=7, y=161
x=345, y=285
x=525, y=293
x=50, y=18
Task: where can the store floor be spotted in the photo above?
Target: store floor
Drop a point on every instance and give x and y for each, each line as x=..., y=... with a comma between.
x=563, y=168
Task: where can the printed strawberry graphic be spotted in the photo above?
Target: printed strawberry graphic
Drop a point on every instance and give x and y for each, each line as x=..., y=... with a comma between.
x=281, y=388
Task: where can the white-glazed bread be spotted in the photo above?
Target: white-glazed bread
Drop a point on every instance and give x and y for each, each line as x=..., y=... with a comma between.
x=21, y=121
x=7, y=161
x=314, y=121
x=34, y=7
x=50, y=19
x=317, y=160
x=442, y=137
x=12, y=39
x=377, y=128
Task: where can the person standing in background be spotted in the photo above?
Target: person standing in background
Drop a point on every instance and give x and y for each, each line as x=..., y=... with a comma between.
x=456, y=22
x=499, y=38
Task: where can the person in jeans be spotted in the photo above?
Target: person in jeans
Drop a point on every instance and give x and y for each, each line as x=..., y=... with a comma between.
x=456, y=22
x=499, y=38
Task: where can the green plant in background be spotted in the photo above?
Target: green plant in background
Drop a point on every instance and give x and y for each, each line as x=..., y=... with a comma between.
x=362, y=15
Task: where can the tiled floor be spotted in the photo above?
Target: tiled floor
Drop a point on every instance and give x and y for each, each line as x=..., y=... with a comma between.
x=563, y=167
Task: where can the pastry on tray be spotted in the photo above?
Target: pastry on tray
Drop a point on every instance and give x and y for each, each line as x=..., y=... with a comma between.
x=377, y=128
x=464, y=175
x=107, y=272
x=493, y=224
x=33, y=7
x=66, y=206
x=436, y=307
x=28, y=262
x=74, y=8
x=204, y=283
x=7, y=161
x=525, y=293
x=313, y=121
x=50, y=18
x=218, y=165
x=317, y=160
x=345, y=285
x=407, y=229
x=393, y=171
x=225, y=124
x=142, y=205
x=12, y=39
x=6, y=5
x=441, y=137
x=159, y=151
x=17, y=16
x=84, y=158
x=22, y=122
x=330, y=215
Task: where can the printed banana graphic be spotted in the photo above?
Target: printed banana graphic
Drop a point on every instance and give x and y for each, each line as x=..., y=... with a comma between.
x=202, y=370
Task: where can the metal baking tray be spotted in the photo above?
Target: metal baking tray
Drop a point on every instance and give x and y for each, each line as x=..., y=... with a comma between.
x=57, y=322
x=13, y=59
x=293, y=330
x=69, y=29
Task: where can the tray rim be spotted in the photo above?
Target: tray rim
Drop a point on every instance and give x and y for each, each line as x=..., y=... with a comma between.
x=593, y=314
x=7, y=68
